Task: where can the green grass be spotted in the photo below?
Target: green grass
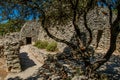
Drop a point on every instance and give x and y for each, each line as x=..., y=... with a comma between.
x=41, y=44
x=49, y=46
x=52, y=46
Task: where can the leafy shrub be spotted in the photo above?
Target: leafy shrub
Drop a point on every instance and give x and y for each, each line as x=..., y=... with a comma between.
x=11, y=26
x=51, y=46
x=41, y=44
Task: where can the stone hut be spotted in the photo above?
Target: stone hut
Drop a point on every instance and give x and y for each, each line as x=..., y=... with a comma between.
x=97, y=21
x=29, y=32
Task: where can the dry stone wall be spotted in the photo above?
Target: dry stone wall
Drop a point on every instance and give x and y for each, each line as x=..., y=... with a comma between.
x=30, y=30
x=1, y=48
x=98, y=23
x=60, y=32
x=40, y=56
x=11, y=53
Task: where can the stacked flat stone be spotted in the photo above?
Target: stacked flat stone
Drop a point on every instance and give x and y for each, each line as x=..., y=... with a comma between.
x=41, y=57
x=1, y=48
x=11, y=52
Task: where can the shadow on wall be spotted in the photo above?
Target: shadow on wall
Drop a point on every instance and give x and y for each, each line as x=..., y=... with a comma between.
x=25, y=61
x=112, y=67
x=16, y=78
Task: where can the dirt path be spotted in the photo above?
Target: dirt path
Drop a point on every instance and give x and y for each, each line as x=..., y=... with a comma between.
x=3, y=72
x=30, y=64
x=25, y=49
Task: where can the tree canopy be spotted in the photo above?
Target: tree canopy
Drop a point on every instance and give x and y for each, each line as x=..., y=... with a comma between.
x=11, y=26
x=30, y=9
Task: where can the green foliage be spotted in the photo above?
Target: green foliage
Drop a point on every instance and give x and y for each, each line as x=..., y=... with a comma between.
x=79, y=71
x=52, y=46
x=10, y=26
x=58, y=12
x=41, y=44
x=104, y=77
x=115, y=11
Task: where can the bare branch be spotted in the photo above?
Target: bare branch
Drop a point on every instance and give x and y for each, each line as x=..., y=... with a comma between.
x=114, y=30
x=74, y=21
x=89, y=30
x=71, y=1
x=89, y=6
x=110, y=17
x=52, y=36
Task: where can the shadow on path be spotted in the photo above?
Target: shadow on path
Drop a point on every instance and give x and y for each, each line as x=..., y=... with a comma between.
x=25, y=61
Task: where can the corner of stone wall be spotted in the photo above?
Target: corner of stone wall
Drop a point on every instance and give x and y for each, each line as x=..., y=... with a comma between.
x=11, y=53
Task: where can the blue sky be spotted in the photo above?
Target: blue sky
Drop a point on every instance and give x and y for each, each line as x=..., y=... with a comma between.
x=112, y=2
x=33, y=14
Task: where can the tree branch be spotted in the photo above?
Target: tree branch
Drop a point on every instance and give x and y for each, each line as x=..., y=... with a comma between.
x=71, y=1
x=110, y=15
x=89, y=6
x=114, y=30
x=77, y=30
x=53, y=37
x=88, y=29
x=74, y=21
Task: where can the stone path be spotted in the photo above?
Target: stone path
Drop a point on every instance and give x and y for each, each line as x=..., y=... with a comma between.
x=25, y=49
x=29, y=64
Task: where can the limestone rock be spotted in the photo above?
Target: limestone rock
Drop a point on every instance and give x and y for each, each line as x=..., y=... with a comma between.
x=11, y=50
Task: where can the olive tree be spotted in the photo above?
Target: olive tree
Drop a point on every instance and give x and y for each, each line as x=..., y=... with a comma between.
x=64, y=11
x=81, y=8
